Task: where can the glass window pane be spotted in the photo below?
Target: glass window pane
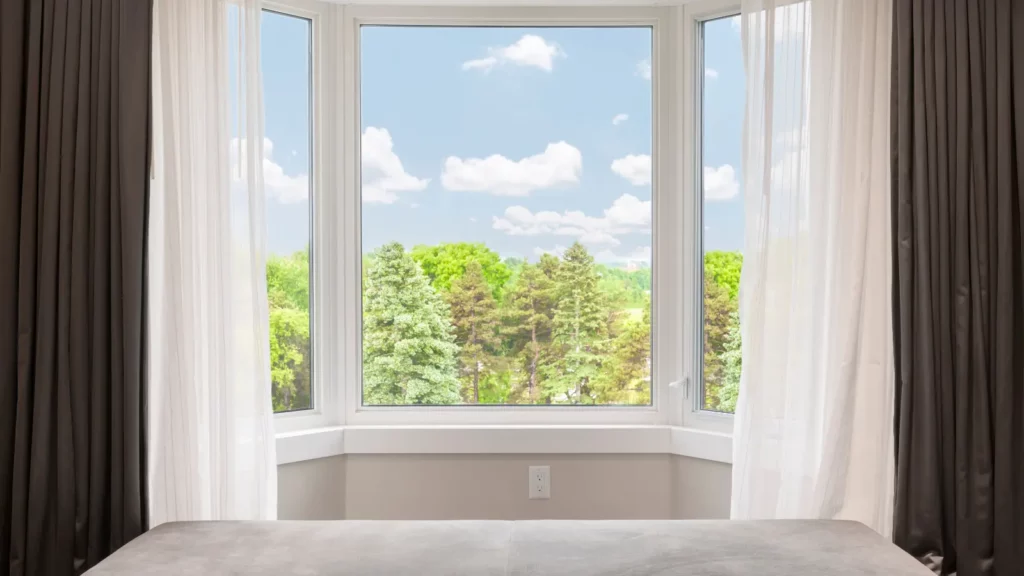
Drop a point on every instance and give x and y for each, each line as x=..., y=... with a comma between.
x=287, y=163
x=506, y=215
x=722, y=109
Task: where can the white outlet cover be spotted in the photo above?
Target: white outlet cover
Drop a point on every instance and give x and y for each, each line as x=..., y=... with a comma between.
x=540, y=482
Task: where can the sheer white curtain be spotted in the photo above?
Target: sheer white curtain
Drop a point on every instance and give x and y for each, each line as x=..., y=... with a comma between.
x=813, y=436
x=211, y=441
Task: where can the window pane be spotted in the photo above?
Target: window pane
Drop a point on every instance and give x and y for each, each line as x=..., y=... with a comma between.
x=287, y=77
x=723, y=101
x=506, y=215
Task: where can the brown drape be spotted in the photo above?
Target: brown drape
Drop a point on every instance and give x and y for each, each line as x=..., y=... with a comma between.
x=958, y=230
x=74, y=145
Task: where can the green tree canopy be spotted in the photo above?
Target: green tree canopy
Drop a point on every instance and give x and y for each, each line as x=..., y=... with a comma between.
x=445, y=262
x=724, y=269
x=409, y=350
x=475, y=316
x=579, y=326
x=288, y=299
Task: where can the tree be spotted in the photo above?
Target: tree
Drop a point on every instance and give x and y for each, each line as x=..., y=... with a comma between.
x=528, y=312
x=626, y=374
x=717, y=310
x=446, y=262
x=579, y=325
x=724, y=269
x=288, y=299
x=732, y=360
x=409, y=349
x=475, y=317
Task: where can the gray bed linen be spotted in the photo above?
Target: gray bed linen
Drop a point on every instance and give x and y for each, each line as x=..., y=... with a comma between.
x=481, y=548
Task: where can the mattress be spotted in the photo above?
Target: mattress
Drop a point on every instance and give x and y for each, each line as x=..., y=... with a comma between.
x=479, y=548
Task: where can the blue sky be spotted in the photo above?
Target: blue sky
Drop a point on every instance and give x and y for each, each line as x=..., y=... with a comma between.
x=524, y=139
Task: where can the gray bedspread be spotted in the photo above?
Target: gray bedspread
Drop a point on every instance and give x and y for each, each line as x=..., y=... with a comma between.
x=480, y=548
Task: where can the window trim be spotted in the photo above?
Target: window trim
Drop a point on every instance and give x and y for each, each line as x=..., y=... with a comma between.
x=324, y=396
x=692, y=75
x=664, y=334
x=337, y=258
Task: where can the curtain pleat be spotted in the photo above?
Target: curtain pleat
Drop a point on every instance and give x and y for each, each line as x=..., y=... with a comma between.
x=74, y=145
x=958, y=137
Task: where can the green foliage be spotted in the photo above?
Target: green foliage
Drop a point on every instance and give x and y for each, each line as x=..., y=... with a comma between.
x=527, y=319
x=722, y=346
x=475, y=317
x=723, y=268
x=409, y=349
x=445, y=262
x=579, y=328
x=288, y=299
x=561, y=330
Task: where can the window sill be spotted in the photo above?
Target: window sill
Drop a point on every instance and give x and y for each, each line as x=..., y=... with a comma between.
x=333, y=441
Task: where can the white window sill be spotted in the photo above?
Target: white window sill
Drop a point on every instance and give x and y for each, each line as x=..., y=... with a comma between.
x=333, y=441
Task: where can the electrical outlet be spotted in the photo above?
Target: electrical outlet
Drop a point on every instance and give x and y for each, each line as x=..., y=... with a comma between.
x=540, y=482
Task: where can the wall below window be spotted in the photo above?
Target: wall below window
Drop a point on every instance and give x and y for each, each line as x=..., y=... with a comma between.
x=483, y=486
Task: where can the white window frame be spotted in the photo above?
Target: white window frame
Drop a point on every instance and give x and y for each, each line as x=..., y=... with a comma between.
x=692, y=76
x=336, y=312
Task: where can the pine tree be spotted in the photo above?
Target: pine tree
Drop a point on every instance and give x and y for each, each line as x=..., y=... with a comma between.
x=579, y=326
x=409, y=350
x=475, y=317
x=529, y=309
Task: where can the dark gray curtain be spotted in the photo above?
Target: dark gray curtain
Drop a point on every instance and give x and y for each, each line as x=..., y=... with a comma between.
x=958, y=230
x=74, y=145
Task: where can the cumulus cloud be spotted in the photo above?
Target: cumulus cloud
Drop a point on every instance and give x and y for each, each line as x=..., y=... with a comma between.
x=530, y=50
x=383, y=173
x=634, y=167
x=560, y=164
x=278, y=185
x=710, y=73
x=639, y=255
x=720, y=183
x=643, y=69
x=619, y=119
x=627, y=215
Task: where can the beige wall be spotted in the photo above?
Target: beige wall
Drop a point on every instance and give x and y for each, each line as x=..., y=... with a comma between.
x=583, y=486
x=312, y=489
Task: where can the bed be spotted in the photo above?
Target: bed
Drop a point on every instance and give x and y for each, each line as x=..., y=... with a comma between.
x=479, y=548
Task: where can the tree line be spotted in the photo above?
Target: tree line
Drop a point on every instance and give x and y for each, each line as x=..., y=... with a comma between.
x=455, y=323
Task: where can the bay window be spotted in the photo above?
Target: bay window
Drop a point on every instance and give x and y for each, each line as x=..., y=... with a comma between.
x=502, y=216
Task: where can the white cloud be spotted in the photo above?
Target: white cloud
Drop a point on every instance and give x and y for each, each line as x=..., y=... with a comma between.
x=619, y=119
x=627, y=215
x=640, y=254
x=472, y=219
x=278, y=185
x=710, y=73
x=559, y=165
x=634, y=167
x=414, y=205
x=643, y=69
x=383, y=173
x=295, y=152
x=720, y=183
x=530, y=50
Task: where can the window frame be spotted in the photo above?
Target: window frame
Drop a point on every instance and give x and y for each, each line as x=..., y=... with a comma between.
x=324, y=395
x=336, y=257
x=694, y=16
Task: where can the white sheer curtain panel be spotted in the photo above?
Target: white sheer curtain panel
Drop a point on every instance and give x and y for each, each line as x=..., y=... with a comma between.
x=814, y=421
x=211, y=440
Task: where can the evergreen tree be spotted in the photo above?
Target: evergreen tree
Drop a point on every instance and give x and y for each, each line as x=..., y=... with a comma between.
x=579, y=326
x=409, y=350
x=475, y=317
x=732, y=360
x=626, y=374
x=717, y=310
x=529, y=309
